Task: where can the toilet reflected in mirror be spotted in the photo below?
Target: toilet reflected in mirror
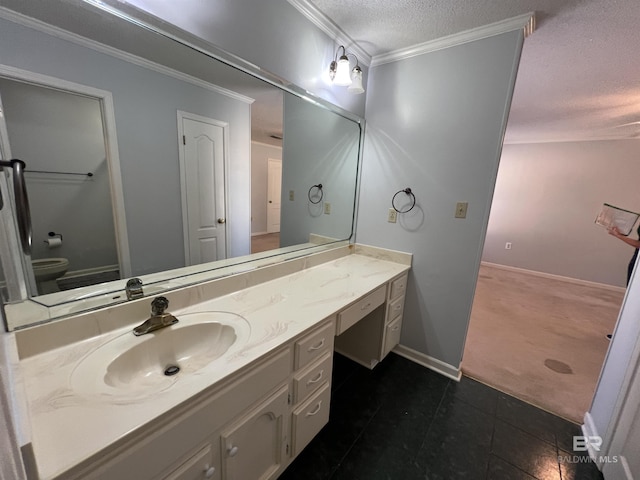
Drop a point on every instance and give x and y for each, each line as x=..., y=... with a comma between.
x=47, y=271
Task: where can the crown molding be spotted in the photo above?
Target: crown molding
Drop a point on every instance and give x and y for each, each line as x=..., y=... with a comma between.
x=324, y=23
x=62, y=34
x=525, y=22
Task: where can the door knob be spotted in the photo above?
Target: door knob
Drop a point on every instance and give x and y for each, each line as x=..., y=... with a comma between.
x=222, y=220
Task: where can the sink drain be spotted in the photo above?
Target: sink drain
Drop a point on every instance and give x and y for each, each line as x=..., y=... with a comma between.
x=171, y=370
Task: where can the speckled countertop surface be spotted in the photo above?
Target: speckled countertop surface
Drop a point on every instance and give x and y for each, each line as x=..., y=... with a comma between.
x=70, y=425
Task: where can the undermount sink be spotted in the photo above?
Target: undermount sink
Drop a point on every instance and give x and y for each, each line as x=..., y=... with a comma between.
x=154, y=362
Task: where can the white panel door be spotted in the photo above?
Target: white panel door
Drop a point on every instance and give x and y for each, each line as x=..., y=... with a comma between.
x=274, y=188
x=203, y=190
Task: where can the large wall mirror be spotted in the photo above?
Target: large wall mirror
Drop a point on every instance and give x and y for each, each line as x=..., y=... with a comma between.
x=146, y=157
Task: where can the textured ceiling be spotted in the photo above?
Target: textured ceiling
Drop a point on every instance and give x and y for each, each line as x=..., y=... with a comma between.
x=579, y=75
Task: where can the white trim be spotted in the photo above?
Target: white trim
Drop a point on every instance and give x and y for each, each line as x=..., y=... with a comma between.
x=111, y=145
x=525, y=22
x=560, y=278
x=430, y=362
x=181, y=115
x=114, y=52
x=257, y=234
x=324, y=23
x=589, y=430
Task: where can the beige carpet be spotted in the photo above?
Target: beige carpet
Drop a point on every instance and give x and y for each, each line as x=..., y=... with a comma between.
x=541, y=340
x=262, y=243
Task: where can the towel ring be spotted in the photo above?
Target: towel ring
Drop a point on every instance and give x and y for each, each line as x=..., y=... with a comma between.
x=408, y=192
x=319, y=188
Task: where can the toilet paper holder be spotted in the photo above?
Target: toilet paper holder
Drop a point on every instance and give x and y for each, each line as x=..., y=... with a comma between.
x=54, y=240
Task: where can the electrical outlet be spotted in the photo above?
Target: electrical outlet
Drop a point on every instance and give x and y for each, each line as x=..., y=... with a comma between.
x=507, y=246
x=461, y=209
x=327, y=208
x=291, y=195
x=393, y=216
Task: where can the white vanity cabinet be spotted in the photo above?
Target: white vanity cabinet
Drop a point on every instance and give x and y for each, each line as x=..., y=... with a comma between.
x=254, y=446
x=393, y=318
x=369, y=329
x=311, y=385
x=244, y=418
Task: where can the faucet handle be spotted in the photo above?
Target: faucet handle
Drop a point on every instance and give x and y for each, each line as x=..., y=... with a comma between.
x=159, y=305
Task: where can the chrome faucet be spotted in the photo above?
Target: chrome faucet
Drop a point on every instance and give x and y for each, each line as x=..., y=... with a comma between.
x=134, y=289
x=159, y=319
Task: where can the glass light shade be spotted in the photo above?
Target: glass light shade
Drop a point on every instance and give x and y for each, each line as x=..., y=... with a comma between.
x=342, y=74
x=356, y=85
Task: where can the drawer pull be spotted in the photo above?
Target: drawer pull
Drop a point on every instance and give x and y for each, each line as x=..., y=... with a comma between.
x=317, y=347
x=316, y=379
x=398, y=307
x=209, y=471
x=366, y=307
x=315, y=410
x=232, y=451
x=394, y=329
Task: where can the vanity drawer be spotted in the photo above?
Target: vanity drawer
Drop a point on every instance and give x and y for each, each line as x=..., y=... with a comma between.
x=314, y=345
x=398, y=287
x=356, y=312
x=309, y=418
x=392, y=336
x=395, y=309
x=309, y=379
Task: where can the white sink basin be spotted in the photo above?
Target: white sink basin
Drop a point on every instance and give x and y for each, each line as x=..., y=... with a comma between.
x=156, y=361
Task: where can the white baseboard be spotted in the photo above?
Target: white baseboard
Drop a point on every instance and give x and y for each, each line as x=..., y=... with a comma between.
x=430, y=362
x=613, y=467
x=560, y=278
x=256, y=234
x=589, y=430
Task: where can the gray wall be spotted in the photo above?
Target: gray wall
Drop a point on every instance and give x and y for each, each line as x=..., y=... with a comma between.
x=145, y=107
x=260, y=154
x=56, y=131
x=546, y=199
x=309, y=159
x=435, y=123
x=273, y=35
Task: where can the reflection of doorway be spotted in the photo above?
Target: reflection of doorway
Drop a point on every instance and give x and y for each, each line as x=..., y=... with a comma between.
x=72, y=174
x=274, y=187
x=202, y=175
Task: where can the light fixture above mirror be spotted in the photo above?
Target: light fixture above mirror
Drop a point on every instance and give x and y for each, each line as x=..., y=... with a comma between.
x=342, y=74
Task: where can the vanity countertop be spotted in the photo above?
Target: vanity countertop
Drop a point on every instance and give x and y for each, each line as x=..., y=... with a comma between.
x=69, y=427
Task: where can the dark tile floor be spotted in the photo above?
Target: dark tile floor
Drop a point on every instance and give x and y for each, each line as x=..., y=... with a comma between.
x=403, y=421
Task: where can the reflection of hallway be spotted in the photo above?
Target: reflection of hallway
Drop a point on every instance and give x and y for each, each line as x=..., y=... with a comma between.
x=540, y=339
x=268, y=241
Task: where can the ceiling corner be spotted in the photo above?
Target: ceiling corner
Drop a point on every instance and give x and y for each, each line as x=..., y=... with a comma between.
x=324, y=23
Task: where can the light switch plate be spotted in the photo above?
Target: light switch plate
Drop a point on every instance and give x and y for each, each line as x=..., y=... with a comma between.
x=393, y=216
x=291, y=195
x=327, y=208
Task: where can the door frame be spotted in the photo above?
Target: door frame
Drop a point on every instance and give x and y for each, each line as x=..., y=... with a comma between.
x=270, y=161
x=181, y=114
x=105, y=99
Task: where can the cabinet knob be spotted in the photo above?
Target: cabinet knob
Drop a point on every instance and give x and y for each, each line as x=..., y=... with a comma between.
x=209, y=471
x=232, y=451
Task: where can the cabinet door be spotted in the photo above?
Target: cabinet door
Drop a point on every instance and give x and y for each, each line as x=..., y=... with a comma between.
x=253, y=447
x=199, y=467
